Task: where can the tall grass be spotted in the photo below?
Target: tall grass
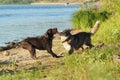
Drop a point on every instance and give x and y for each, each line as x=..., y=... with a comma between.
x=109, y=15
x=109, y=31
x=111, y=5
x=87, y=18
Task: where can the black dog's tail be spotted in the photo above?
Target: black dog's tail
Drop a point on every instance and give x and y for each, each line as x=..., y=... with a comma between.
x=95, y=28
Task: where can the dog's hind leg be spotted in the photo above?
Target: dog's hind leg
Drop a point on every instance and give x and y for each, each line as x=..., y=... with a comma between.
x=32, y=53
x=87, y=43
x=28, y=46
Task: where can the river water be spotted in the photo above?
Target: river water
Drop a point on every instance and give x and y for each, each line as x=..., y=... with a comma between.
x=20, y=21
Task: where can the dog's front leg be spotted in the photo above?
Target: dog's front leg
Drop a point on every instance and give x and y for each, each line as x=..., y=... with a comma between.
x=49, y=50
x=71, y=51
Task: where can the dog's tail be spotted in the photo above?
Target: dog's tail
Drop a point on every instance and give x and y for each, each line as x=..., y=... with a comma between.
x=95, y=28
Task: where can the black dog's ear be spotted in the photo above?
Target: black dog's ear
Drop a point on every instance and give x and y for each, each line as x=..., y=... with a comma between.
x=67, y=30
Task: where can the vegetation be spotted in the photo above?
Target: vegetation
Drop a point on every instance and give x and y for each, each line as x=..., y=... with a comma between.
x=112, y=5
x=87, y=18
x=17, y=1
x=93, y=64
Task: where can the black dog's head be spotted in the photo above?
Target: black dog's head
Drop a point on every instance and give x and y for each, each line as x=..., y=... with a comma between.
x=50, y=32
x=65, y=33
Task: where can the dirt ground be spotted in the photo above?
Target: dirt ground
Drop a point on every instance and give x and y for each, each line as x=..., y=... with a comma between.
x=22, y=59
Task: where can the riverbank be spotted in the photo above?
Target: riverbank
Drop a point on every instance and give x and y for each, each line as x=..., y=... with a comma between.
x=62, y=2
x=45, y=3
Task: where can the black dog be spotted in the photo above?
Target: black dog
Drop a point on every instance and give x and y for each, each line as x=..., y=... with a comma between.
x=42, y=43
x=76, y=41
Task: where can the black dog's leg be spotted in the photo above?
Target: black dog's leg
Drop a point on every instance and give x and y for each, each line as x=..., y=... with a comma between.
x=71, y=51
x=91, y=45
x=88, y=42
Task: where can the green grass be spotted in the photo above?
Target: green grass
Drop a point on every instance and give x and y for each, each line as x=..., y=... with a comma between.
x=87, y=18
x=109, y=31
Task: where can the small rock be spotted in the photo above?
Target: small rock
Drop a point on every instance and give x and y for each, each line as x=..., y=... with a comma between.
x=6, y=53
